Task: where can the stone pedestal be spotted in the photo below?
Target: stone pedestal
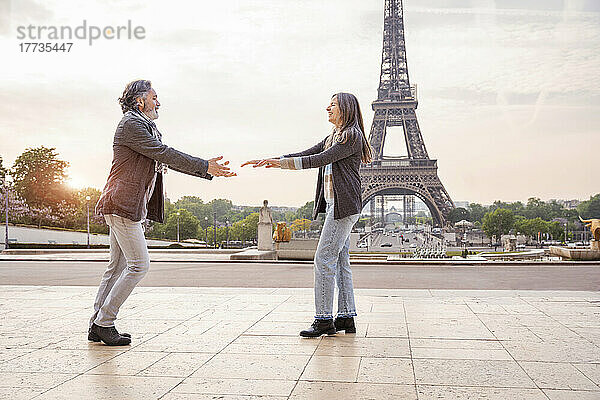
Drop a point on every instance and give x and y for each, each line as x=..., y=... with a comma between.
x=595, y=245
x=265, y=236
x=297, y=249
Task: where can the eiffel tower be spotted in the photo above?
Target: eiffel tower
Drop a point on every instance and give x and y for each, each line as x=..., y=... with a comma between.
x=415, y=174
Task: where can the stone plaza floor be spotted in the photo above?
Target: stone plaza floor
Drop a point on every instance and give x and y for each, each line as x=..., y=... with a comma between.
x=230, y=343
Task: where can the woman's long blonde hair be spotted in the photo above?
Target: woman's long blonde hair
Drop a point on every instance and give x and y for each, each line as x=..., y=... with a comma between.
x=352, y=121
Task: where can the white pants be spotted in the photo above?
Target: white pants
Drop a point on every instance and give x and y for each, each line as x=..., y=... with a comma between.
x=129, y=263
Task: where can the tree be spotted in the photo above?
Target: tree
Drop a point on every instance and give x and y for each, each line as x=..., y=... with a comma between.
x=97, y=223
x=306, y=211
x=246, y=229
x=222, y=207
x=301, y=225
x=193, y=204
x=556, y=230
x=3, y=171
x=530, y=227
x=458, y=214
x=590, y=208
x=498, y=222
x=18, y=210
x=39, y=178
x=188, y=225
x=210, y=234
x=477, y=211
x=516, y=207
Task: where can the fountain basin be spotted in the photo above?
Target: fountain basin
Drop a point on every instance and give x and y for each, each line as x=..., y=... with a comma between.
x=575, y=253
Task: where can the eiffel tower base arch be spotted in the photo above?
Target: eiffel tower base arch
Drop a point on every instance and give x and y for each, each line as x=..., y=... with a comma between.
x=389, y=190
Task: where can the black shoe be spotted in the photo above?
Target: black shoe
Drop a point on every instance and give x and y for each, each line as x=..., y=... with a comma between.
x=109, y=335
x=345, y=324
x=319, y=327
x=92, y=337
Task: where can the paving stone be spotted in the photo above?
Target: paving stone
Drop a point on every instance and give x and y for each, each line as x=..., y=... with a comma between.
x=249, y=344
x=33, y=380
x=557, y=376
x=386, y=370
x=356, y=391
x=472, y=344
x=571, y=395
x=398, y=329
x=449, y=328
x=349, y=346
x=574, y=351
x=471, y=373
x=111, y=387
x=128, y=363
x=59, y=361
x=229, y=387
x=592, y=371
x=196, y=396
x=253, y=366
x=331, y=368
x=20, y=393
x=176, y=364
x=427, y=392
x=461, y=354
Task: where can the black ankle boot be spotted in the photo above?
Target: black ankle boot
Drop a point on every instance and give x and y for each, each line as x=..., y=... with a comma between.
x=319, y=327
x=109, y=335
x=92, y=337
x=345, y=324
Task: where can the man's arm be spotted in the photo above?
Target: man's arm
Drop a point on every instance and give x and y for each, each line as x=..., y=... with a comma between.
x=207, y=176
x=137, y=138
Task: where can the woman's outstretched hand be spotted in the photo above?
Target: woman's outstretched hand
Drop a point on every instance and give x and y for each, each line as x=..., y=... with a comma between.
x=267, y=163
x=216, y=169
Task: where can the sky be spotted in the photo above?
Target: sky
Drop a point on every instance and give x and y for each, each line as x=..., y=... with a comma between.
x=509, y=90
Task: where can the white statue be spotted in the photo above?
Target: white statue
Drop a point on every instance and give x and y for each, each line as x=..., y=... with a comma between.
x=265, y=217
x=265, y=228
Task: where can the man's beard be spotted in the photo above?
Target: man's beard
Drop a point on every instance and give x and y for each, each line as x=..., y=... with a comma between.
x=150, y=112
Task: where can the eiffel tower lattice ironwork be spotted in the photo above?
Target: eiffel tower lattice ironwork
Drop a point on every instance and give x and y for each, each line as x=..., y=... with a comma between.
x=415, y=174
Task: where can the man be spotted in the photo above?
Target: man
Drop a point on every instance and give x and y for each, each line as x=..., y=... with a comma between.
x=134, y=192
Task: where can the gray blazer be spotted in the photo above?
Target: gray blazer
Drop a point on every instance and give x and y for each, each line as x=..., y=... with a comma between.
x=345, y=159
x=135, y=152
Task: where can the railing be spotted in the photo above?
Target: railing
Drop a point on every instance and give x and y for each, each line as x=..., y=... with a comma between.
x=402, y=162
x=402, y=94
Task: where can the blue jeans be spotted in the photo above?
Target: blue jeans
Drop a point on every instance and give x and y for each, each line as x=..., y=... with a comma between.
x=332, y=263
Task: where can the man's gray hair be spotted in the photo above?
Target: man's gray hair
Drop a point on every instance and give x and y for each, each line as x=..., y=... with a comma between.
x=133, y=91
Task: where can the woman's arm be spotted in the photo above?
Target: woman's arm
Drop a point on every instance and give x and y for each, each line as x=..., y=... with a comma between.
x=275, y=162
x=335, y=153
x=317, y=148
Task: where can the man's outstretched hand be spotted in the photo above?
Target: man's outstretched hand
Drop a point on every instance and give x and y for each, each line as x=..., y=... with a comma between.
x=267, y=162
x=216, y=169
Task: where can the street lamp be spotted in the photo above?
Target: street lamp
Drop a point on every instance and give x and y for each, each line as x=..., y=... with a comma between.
x=243, y=233
x=215, y=225
x=227, y=240
x=5, y=183
x=178, y=226
x=206, y=230
x=87, y=199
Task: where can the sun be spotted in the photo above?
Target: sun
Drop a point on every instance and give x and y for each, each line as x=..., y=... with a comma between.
x=75, y=183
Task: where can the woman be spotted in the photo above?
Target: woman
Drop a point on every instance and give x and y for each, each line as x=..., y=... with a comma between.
x=338, y=158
